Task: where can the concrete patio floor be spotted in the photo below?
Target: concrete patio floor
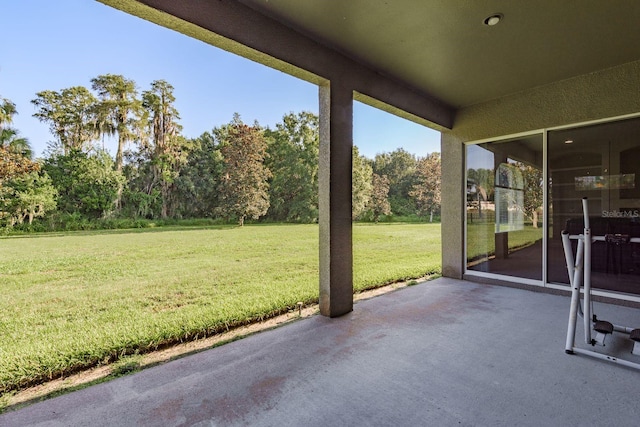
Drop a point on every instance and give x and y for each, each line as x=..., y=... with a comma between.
x=440, y=353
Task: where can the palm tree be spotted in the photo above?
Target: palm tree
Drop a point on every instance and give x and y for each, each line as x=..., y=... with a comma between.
x=9, y=137
x=15, y=151
x=119, y=110
x=12, y=142
x=7, y=111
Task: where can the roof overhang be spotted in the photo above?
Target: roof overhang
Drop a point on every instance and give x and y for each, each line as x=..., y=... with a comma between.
x=423, y=60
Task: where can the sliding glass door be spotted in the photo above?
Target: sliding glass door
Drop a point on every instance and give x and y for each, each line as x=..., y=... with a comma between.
x=600, y=162
x=505, y=207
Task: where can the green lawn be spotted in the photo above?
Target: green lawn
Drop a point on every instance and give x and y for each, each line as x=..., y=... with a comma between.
x=75, y=300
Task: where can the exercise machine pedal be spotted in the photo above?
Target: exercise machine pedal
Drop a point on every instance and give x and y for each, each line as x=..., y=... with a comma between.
x=603, y=328
x=635, y=336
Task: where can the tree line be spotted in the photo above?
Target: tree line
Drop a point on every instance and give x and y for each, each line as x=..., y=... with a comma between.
x=232, y=173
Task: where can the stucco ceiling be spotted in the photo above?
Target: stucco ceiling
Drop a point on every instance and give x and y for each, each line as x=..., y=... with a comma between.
x=442, y=47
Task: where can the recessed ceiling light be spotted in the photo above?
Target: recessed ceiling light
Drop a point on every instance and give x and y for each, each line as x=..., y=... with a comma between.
x=569, y=141
x=493, y=19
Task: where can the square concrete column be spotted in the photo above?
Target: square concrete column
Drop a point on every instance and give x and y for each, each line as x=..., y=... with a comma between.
x=453, y=205
x=334, y=176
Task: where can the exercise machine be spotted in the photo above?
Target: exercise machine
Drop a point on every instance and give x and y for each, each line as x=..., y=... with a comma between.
x=579, y=269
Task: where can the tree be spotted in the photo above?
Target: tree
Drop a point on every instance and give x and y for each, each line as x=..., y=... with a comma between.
x=27, y=196
x=15, y=151
x=360, y=184
x=400, y=167
x=118, y=112
x=293, y=161
x=243, y=189
x=11, y=141
x=480, y=187
x=379, y=196
x=197, y=185
x=24, y=193
x=72, y=117
x=7, y=111
x=166, y=148
x=427, y=191
x=86, y=183
x=15, y=155
x=533, y=191
x=13, y=164
x=9, y=137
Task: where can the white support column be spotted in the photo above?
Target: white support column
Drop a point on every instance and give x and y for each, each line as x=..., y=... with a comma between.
x=335, y=164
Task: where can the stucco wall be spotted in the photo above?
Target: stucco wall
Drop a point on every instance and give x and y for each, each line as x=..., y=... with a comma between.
x=452, y=222
x=608, y=93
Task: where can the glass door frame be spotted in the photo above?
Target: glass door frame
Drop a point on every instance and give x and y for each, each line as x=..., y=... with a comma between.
x=544, y=283
x=497, y=276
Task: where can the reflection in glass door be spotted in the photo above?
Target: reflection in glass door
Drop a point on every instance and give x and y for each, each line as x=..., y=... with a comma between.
x=504, y=207
x=600, y=162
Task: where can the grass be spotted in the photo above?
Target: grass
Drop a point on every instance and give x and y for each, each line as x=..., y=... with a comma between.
x=69, y=301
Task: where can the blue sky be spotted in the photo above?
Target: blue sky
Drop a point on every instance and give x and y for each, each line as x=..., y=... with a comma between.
x=51, y=45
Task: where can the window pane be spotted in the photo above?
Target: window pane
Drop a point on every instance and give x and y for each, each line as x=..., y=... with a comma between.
x=600, y=162
x=504, y=207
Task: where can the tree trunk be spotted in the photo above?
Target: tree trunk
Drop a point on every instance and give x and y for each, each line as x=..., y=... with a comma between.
x=535, y=218
x=241, y=221
x=119, y=153
x=118, y=167
x=431, y=215
x=118, y=201
x=165, y=201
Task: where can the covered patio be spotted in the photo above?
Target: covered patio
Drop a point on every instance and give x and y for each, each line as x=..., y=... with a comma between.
x=443, y=352
x=447, y=352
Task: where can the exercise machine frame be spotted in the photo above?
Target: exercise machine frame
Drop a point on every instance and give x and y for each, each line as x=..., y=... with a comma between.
x=579, y=269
